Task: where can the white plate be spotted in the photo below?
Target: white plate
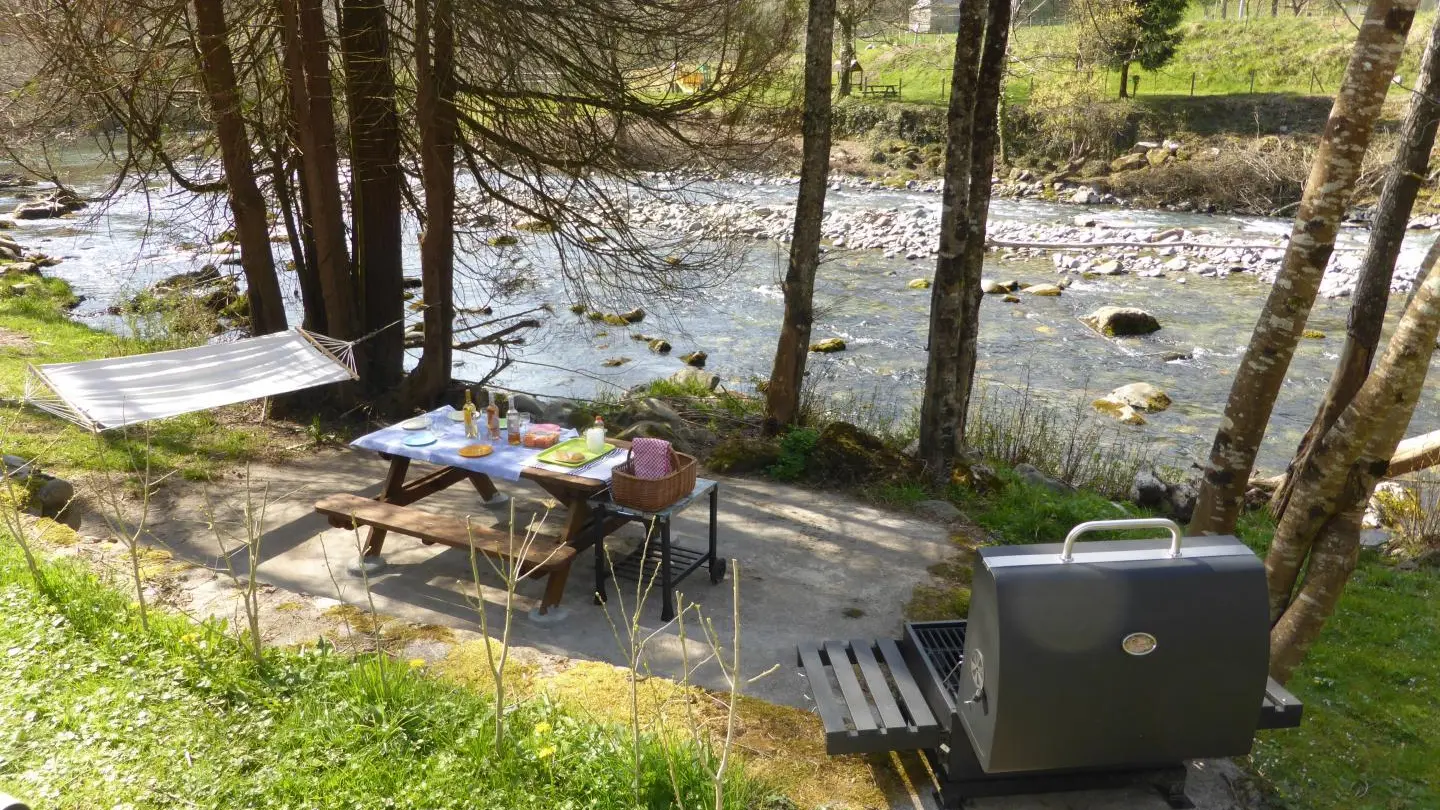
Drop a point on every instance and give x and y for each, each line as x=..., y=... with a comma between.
x=418, y=423
x=459, y=416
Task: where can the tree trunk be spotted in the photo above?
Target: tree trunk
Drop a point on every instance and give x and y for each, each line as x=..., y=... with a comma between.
x=267, y=308
x=1125, y=80
x=302, y=231
x=1274, y=8
x=1327, y=193
x=375, y=195
x=941, y=401
x=782, y=398
x=1224, y=9
x=435, y=97
x=1338, y=478
x=847, y=51
x=1372, y=288
x=321, y=162
x=988, y=88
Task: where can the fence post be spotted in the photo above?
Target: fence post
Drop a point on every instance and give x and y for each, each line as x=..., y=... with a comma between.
x=1192, y=84
x=1134, y=85
x=1252, y=81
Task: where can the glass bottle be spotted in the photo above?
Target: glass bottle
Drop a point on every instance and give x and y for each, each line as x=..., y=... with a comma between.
x=595, y=437
x=492, y=420
x=512, y=423
x=471, y=429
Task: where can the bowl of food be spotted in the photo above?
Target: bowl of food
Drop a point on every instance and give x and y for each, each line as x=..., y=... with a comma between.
x=541, y=439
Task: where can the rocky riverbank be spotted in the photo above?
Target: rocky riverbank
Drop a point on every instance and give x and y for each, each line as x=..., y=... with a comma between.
x=1088, y=245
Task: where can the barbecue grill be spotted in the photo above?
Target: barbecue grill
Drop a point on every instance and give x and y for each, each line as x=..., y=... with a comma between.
x=1107, y=664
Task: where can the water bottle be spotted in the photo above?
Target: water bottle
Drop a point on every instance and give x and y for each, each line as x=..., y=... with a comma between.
x=595, y=437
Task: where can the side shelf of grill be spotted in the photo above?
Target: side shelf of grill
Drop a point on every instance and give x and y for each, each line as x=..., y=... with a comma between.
x=1279, y=709
x=881, y=709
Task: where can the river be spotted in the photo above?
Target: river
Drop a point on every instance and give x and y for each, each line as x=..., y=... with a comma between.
x=861, y=296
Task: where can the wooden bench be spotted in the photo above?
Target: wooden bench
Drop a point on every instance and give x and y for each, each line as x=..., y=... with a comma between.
x=880, y=91
x=542, y=555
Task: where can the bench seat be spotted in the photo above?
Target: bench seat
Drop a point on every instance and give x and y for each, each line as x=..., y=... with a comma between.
x=541, y=555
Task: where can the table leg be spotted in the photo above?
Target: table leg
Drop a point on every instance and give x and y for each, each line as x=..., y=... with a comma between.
x=394, y=486
x=575, y=523
x=667, y=593
x=717, y=568
x=599, y=541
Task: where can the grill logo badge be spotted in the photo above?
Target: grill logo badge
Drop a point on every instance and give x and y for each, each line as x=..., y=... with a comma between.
x=1138, y=644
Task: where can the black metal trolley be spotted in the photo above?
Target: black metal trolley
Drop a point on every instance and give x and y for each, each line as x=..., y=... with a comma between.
x=667, y=562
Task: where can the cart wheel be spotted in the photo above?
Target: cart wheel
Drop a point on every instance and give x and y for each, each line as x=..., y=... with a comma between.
x=717, y=570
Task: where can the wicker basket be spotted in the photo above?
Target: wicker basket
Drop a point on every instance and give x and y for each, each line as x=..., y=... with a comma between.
x=654, y=494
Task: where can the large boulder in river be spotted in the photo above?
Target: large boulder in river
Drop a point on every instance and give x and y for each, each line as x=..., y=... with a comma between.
x=828, y=346
x=1122, y=321
x=1141, y=396
x=1126, y=163
x=58, y=204
x=1044, y=290
x=689, y=376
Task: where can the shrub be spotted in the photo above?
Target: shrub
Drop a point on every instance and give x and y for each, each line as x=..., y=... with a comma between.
x=795, y=449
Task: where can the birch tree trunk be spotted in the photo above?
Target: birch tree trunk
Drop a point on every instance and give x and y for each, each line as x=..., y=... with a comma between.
x=782, y=398
x=1372, y=288
x=941, y=401
x=847, y=49
x=217, y=70
x=986, y=139
x=1337, y=479
x=1327, y=194
x=375, y=187
x=435, y=88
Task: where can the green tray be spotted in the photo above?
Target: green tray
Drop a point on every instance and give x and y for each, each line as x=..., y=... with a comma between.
x=577, y=445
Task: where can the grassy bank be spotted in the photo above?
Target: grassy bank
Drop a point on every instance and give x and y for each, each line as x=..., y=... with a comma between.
x=35, y=329
x=98, y=712
x=1290, y=55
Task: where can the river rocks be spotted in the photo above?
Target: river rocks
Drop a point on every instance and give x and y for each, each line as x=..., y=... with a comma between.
x=992, y=287
x=58, y=204
x=660, y=345
x=1108, y=268
x=919, y=284
x=828, y=346
x=614, y=362
x=693, y=376
x=1141, y=396
x=1043, y=290
x=1129, y=162
x=1011, y=299
x=695, y=359
x=412, y=283
x=43, y=493
x=532, y=225
x=1085, y=196
x=939, y=511
x=502, y=240
x=1173, y=500
x=1121, y=321
x=1158, y=156
x=845, y=454
x=635, y=315
x=525, y=403
x=1125, y=414
x=1312, y=334
x=649, y=430
x=1034, y=477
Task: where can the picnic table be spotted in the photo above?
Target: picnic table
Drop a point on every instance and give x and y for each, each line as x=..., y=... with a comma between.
x=551, y=556
x=874, y=90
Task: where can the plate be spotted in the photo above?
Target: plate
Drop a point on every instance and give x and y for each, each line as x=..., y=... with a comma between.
x=476, y=450
x=576, y=445
x=418, y=423
x=459, y=416
x=420, y=439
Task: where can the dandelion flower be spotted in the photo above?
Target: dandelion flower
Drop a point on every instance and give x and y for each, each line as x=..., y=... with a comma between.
x=546, y=752
x=541, y=729
x=416, y=663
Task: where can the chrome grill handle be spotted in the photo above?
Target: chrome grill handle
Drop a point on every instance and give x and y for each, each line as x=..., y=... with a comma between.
x=1128, y=523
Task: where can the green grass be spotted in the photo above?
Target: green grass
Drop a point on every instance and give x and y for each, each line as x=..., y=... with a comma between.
x=1287, y=54
x=195, y=444
x=97, y=712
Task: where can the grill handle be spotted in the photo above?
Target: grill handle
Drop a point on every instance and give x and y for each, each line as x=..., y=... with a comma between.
x=1130, y=523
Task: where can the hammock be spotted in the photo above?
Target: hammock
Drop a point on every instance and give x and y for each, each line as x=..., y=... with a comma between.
x=115, y=392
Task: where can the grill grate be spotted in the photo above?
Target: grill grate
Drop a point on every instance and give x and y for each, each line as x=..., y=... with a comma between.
x=943, y=645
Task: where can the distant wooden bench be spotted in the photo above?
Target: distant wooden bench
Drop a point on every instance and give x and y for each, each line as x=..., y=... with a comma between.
x=881, y=91
x=543, y=555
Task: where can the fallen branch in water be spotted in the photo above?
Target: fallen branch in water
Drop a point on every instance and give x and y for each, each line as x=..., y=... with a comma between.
x=1082, y=245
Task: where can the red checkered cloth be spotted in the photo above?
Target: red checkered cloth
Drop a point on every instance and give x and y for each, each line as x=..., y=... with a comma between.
x=650, y=458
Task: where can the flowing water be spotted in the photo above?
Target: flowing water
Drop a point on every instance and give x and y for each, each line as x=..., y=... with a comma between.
x=861, y=296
